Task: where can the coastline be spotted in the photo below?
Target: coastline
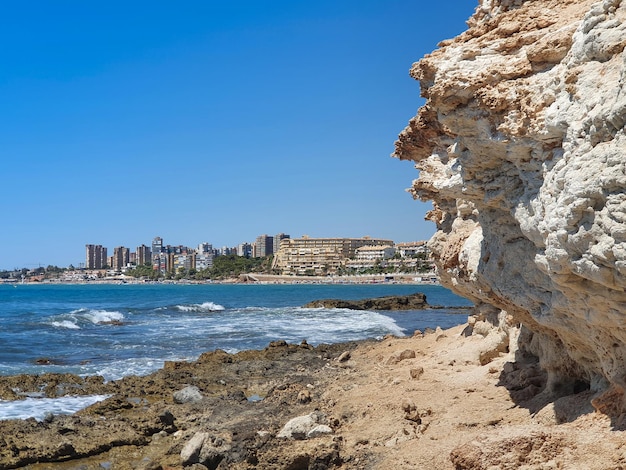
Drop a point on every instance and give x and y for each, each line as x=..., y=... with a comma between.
x=116, y=330
x=428, y=279
x=425, y=401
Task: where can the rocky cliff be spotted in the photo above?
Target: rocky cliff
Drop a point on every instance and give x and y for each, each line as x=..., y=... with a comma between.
x=521, y=147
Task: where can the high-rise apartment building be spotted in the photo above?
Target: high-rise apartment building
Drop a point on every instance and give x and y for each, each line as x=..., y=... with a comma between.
x=245, y=250
x=157, y=246
x=204, y=248
x=204, y=261
x=121, y=257
x=143, y=255
x=95, y=256
x=183, y=262
x=276, y=244
x=159, y=259
x=160, y=262
x=263, y=246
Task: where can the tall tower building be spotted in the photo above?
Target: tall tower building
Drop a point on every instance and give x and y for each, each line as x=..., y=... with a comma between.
x=121, y=257
x=157, y=246
x=143, y=256
x=95, y=256
x=277, y=238
x=264, y=246
x=245, y=250
x=204, y=248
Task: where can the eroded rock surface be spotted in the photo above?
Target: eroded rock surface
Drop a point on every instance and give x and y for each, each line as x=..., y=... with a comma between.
x=521, y=146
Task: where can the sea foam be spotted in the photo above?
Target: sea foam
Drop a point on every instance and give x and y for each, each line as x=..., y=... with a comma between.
x=38, y=408
x=70, y=325
x=203, y=307
x=104, y=316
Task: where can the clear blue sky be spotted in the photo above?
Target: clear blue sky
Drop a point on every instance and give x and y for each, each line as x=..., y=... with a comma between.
x=208, y=121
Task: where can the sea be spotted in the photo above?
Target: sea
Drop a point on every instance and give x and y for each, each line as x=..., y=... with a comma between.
x=132, y=329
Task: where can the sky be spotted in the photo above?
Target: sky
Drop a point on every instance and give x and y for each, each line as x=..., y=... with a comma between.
x=208, y=121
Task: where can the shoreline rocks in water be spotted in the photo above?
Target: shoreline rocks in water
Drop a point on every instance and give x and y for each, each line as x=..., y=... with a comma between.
x=415, y=301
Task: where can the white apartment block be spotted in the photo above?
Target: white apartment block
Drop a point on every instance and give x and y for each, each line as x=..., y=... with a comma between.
x=373, y=253
x=204, y=261
x=412, y=248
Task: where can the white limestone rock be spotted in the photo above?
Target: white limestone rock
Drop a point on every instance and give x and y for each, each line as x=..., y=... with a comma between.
x=521, y=147
x=190, y=394
x=303, y=427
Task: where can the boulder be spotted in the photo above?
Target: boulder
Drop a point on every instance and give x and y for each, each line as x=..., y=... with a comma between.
x=300, y=427
x=401, y=356
x=205, y=449
x=189, y=394
x=319, y=430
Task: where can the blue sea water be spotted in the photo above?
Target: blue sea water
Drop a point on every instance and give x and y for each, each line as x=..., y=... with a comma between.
x=119, y=330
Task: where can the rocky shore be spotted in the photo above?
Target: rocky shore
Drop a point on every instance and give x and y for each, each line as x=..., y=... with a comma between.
x=463, y=398
x=415, y=301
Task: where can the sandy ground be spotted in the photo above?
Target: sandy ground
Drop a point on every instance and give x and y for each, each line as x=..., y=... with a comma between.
x=470, y=415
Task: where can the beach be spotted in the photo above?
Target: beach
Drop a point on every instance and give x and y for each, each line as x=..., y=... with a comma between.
x=251, y=278
x=173, y=377
x=429, y=401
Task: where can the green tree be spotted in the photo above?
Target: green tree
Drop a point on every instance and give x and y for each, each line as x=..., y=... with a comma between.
x=145, y=271
x=232, y=266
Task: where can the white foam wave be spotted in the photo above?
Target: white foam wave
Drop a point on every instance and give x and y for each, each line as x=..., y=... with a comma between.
x=38, y=408
x=319, y=325
x=338, y=322
x=81, y=318
x=203, y=307
x=70, y=325
x=87, y=315
x=137, y=366
x=104, y=316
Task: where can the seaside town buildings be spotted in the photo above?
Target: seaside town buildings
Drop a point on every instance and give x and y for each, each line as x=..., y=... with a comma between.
x=319, y=255
x=291, y=256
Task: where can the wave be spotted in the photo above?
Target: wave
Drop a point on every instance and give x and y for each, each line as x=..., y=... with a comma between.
x=70, y=325
x=77, y=319
x=38, y=408
x=315, y=325
x=104, y=316
x=203, y=307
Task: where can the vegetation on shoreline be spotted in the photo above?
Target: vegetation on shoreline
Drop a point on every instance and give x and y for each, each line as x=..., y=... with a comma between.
x=224, y=267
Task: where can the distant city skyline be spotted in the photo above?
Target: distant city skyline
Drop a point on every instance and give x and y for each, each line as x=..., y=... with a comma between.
x=208, y=120
x=108, y=249
x=292, y=256
x=101, y=251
